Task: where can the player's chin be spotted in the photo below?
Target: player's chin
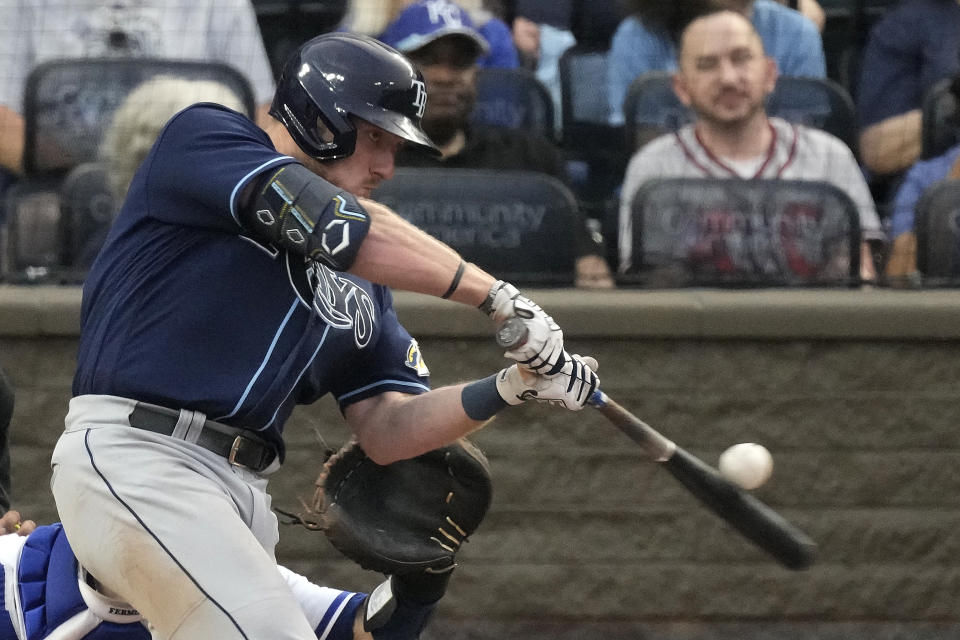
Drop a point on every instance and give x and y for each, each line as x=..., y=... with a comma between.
x=366, y=190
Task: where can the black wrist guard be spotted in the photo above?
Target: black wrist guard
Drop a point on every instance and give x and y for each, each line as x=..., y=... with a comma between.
x=296, y=210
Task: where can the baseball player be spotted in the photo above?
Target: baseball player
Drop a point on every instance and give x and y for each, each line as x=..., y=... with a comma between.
x=241, y=277
x=49, y=595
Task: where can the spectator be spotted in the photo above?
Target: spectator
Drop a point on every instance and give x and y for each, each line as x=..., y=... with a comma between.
x=811, y=9
x=647, y=41
x=142, y=115
x=902, y=264
x=499, y=50
x=901, y=267
x=446, y=53
x=909, y=50
x=35, y=31
x=370, y=17
x=503, y=52
x=544, y=31
x=590, y=22
x=374, y=16
x=725, y=78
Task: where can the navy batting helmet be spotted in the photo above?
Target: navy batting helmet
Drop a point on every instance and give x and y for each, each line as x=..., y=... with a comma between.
x=340, y=74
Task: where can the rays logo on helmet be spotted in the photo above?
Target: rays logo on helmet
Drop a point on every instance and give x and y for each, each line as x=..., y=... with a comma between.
x=415, y=359
x=420, y=102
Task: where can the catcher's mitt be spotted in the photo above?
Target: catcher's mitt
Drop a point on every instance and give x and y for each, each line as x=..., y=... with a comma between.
x=404, y=517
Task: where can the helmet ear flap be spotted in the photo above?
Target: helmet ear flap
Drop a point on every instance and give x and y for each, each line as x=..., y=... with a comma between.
x=332, y=130
x=316, y=123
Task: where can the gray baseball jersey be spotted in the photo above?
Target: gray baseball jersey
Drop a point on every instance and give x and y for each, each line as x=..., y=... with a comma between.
x=35, y=31
x=795, y=153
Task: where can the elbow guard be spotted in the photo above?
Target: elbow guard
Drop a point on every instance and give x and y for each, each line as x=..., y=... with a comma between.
x=296, y=210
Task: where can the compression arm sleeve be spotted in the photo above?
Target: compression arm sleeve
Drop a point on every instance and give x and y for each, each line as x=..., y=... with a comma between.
x=294, y=209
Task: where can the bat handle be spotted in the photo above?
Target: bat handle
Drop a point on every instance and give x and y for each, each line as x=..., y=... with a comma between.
x=598, y=399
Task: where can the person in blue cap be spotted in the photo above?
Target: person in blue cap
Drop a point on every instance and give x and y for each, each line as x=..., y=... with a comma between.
x=441, y=41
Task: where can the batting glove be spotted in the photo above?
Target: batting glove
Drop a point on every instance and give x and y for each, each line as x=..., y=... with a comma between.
x=570, y=388
x=542, y=350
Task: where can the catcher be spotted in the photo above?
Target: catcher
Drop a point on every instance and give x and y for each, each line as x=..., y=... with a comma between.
x=406, y=519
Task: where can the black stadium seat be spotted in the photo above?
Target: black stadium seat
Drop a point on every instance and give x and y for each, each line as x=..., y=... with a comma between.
x=937, y=226
x=89, y=207
x=731, y=232
x=32, y=244
x=515, y=99
x=520, y=225
x=940, y=120
x=68, y=104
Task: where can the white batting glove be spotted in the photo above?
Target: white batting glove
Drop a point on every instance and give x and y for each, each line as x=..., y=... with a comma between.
x=542, y=350
x=571, y=388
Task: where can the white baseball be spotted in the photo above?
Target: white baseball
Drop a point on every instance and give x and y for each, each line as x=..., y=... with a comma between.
x=747, y=464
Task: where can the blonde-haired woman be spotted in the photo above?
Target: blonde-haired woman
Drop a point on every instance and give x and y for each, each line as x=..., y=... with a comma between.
x=143, y=114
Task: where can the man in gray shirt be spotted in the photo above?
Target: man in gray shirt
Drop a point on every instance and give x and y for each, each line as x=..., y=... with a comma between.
x=36, y=31
x=725, y=77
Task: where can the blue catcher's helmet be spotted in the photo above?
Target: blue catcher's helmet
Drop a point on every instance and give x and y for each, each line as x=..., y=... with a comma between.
x=336, y=75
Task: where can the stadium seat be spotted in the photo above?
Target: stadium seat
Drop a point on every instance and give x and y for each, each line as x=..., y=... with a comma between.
x=940, y=127
x=728, y=232
x=651, y=107
x=68, y=104
x=89, y=207
x=515, y=99
x=937, y=226
x=597, y=149
x=585, y=112
x=520, y=225
x=32, y=246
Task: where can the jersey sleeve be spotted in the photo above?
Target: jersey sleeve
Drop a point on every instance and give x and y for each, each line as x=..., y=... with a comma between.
x=201, y=162
x=330, y=611
x=393, y=363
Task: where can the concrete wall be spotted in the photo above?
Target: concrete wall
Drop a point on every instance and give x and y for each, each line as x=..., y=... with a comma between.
x=854, y=392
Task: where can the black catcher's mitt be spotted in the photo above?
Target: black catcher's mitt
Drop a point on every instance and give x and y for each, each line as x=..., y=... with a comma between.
x=404, y=517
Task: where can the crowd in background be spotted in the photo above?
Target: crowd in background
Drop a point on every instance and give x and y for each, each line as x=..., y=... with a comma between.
x=887, y=57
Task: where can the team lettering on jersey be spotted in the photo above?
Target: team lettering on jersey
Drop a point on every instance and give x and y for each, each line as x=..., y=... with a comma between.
x=342, y=304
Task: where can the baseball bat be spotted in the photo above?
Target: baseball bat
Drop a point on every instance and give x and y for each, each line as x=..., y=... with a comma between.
x=754, y=520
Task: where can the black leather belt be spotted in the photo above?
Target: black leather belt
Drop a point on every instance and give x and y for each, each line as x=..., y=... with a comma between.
x=240, y=447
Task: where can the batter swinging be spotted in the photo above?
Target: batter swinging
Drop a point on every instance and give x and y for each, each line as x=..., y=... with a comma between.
x=243, y=277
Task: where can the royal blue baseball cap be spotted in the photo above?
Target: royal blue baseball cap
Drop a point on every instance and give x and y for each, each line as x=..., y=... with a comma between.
x=423, y=22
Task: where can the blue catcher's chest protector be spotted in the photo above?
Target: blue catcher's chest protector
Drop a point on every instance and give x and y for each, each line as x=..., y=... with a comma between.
x=50, y=594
